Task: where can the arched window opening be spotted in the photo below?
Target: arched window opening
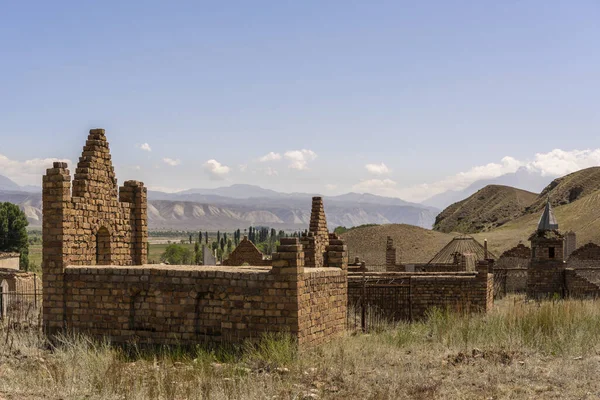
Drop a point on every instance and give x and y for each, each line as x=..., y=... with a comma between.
x=103, y=256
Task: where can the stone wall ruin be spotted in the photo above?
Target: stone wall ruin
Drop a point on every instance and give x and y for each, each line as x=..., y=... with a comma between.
x=95, y=281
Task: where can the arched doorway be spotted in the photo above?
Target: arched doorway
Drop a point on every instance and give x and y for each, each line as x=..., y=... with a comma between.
x=103, y=253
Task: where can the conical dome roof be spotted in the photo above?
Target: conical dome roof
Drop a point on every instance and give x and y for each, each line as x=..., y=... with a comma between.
x=548, y=220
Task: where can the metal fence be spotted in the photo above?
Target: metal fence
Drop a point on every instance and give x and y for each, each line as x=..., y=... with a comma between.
x=375, y=299
x=21, y=309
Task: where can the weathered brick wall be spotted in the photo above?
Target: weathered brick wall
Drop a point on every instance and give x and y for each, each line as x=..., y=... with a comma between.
x=190, y=304
x=246, y=253
x=20, y=281
x=517, y=257
x=97, y=223
x=323, y=307
x=178, y=304
x=545, y=278
x=443, y=267
x=472, y=292
x=581, y=283
x=587, y=256
x=93, y=237
x=461, y=291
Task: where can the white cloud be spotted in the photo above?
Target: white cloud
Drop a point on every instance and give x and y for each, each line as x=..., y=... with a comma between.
x=271, y=156
x=145, y=147
x=171, y=162
x=377, y=169
x=271, y=172
x=243, y=167
x=331, y=186
x=300, y=158
x=27, y=172
x=559, y=162
x=552, y=164
x=215, y=170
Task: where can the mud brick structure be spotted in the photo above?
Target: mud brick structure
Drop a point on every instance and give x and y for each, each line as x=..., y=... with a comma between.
x=357, y=265
x=95, y=280
x=510, y=270
x=570, y=244
x=462, y=253
x=587, y=256
x=411, y=295
x=17, y=291
x=390, y=252
x=545, y=275
x=316, y=240
x=9, y=260
x=246, y=253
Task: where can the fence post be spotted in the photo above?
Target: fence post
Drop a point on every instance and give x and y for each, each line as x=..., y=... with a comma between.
x=363, y=319
x=35, y=291
x=410, y=310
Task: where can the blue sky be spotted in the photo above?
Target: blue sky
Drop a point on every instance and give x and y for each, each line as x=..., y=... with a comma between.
x=397, y=98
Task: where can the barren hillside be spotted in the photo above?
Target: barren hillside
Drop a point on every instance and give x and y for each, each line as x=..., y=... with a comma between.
x=413, y=244
x=490, y=207
x=569, y=188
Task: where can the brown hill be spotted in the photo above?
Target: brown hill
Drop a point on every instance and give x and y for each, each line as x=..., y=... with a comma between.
x=581, y=216
x=490, y=207
x=413, y=244
x=569, y=188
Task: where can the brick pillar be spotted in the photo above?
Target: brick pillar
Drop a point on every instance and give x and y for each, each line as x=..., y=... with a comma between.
x=135, y=193
x=390, y=252
x=318, y=230
x=288, y=268
x=337, y=253
x=56, y=239
x=485, y=289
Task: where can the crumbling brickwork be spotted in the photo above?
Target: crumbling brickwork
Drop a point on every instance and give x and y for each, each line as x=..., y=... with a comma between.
x=246, y=253
x=390, y=252
x=587, y=256
x=96, y=224
x=582, y=283
x=316, y=240
x=94, y=281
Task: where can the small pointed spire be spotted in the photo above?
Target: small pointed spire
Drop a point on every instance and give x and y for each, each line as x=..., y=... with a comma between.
x=548, y=220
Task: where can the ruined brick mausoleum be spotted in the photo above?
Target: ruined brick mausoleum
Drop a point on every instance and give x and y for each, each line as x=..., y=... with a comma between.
x=95, y=281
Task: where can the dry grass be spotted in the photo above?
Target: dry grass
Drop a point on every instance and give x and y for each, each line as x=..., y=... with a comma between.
x=520, y=350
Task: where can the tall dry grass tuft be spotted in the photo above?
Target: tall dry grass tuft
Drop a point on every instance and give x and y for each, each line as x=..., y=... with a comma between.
x=520, y=350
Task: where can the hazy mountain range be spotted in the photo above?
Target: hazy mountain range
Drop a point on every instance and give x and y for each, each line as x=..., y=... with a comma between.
x=242, y=205
x=238, y=206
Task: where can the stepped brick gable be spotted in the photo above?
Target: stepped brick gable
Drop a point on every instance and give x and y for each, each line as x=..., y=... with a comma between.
x=246, y=253
x=95, y=281
x=316, y=240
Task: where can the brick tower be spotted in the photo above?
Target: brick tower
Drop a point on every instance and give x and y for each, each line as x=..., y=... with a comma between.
x=97, y=224
x=315, y=242
x=545, y=272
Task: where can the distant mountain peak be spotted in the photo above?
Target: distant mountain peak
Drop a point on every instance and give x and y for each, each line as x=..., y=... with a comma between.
x=8, y=184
